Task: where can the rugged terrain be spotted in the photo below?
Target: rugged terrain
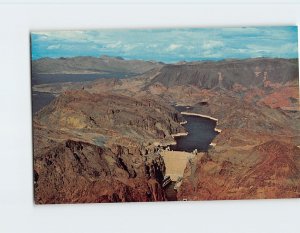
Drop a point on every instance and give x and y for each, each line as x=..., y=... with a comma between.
x=268, y=170
x=256, y=154
x=101, y=148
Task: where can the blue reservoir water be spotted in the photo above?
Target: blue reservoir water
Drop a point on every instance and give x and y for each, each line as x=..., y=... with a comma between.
x=40, y=99
x=200, y=134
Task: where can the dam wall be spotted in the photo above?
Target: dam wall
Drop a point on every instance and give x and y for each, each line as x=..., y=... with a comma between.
x=175, y=162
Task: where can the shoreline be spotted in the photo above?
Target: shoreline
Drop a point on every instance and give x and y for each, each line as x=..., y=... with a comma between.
x=176, y=161
x=173, y=143
x=201, y=115
x=179, y=134
x=204, y=116
x=218, y=130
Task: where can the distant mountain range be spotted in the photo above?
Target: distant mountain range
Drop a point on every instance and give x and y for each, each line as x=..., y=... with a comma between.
x=224, y=74
x=91, y=65
x=203, y=74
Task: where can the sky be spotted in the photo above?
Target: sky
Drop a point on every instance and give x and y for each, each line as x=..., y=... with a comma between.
x=169, y=45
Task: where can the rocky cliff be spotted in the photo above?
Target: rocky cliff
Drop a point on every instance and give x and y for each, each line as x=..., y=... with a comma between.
x=224, y=74
x=78, y=172
x=100, y=148
x=269, y=170
x=256, y=154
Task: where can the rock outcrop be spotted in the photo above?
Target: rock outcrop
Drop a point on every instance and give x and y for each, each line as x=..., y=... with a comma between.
x=269, y=170
x=78, y=172
x=224, y=74
x=99, y=148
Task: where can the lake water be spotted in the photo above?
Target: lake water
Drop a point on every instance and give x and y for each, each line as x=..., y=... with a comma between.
x=40, y=99
x=200, y=134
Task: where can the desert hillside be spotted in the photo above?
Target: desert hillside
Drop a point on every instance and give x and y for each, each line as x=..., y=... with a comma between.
x=104, y=137
x=101, y=148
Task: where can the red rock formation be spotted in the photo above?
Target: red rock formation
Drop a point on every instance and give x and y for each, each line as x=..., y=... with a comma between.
x=284, y=97
x=256, y=154
x=269, y=170
x=93, y=148
x=76, y=172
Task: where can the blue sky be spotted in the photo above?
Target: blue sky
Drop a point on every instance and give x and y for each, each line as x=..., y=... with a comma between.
x=169, y=45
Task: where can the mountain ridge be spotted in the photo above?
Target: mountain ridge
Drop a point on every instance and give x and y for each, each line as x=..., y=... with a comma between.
x=91, y=65
x=245, y=72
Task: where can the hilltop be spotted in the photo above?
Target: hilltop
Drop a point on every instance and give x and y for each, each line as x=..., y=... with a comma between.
x=91, y=65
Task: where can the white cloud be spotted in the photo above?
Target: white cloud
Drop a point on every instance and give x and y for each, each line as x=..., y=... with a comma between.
x=63, y=35
x=129, y=47
x=173, y=47
x=114, y=45
x=42, y=38
x=160, y=44
x=211, y=44
x=55, y=46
